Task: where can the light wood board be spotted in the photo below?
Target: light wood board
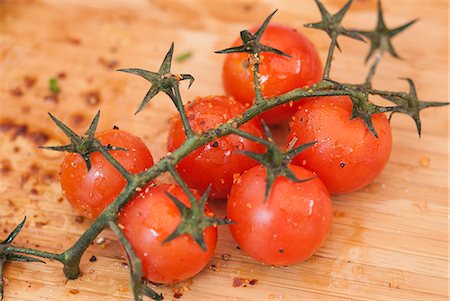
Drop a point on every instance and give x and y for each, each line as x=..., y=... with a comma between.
x=389, y=241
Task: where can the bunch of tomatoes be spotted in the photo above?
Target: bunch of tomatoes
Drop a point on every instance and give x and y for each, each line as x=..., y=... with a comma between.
x=285, y=228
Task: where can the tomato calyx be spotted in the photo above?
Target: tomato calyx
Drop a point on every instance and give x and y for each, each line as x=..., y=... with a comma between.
x=406, y=103
x=194, y=219
x=251, y=45
x=167, y=82
x=362, y=108
x=83, y=145
x=331, y=24
x=409, y=103
x=275, y=161
x=9, y=255
x=380, y=37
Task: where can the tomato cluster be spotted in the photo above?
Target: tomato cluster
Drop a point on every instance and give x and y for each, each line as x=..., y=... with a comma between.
x=285, y=228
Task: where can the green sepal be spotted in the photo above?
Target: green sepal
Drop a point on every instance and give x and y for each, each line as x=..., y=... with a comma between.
x=147, y=291
x=292, y=153
x=363, y=110
x=194, y=221
x=162, y=81
x=380, y=38
x=411, y=105
x=82, y=145
x=274, y=161
x=251, y=43
x=14, y=233
x=331, y=24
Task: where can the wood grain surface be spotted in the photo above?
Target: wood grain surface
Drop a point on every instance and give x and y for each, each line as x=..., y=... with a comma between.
x=389, y=241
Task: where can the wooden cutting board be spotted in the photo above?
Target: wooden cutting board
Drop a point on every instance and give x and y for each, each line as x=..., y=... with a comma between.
x=389, y=241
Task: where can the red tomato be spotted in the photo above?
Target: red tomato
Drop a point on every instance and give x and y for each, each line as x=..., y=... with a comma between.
x=289, y=227
x=278, y=74
x=90, y=192
x=346, y=156
x=217, y=162
x=148, y=220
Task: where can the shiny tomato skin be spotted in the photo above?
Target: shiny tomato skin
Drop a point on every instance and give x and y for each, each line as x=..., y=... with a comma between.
x=218, y=161
x=148, y=220
x=90, y=192
x=287, y=229
x=279, y=74
x=347, y=156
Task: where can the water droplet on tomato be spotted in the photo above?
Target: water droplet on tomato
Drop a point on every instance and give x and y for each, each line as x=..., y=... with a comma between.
x=310, y=207
x=239, y=145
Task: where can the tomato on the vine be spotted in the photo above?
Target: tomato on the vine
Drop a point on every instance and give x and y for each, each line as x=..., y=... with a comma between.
x=290, y=226
x=279, y=74
x=217, y=162
x=91, y=191
x=148, y=220
x=347, y=156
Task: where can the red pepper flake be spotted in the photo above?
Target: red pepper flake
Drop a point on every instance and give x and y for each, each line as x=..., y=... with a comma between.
x=12, y=206
x=79, y=219
x=41, y=224
x=61, y=75
x=52, y=98
x=177, y=295
x=48, y=177
x=19, y=130
x=74, y=41
x=78, y=119
x=110, y=64
x=237, y=282
x=92, y=98
x=16, y=92
x=74, y=291
x=5, y=167
x=23, y=179
x=29, y=81
x=35, y=169
x=247, y=7
x=39, y=138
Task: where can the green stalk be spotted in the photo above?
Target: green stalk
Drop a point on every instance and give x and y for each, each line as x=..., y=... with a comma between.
x=326, y=71
x=256, y=78
x=373, y=67
x=34, y=252
x=179, y=104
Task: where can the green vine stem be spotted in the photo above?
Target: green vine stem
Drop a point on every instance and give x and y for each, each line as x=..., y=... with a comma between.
x=138, y=287
x=193, y=221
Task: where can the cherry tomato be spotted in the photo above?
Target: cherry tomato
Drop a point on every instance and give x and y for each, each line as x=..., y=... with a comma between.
x=346, y=156
x=148, y=220
x=289, y=227
x=90, y=192
x=217, y=162
x=279, y=74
